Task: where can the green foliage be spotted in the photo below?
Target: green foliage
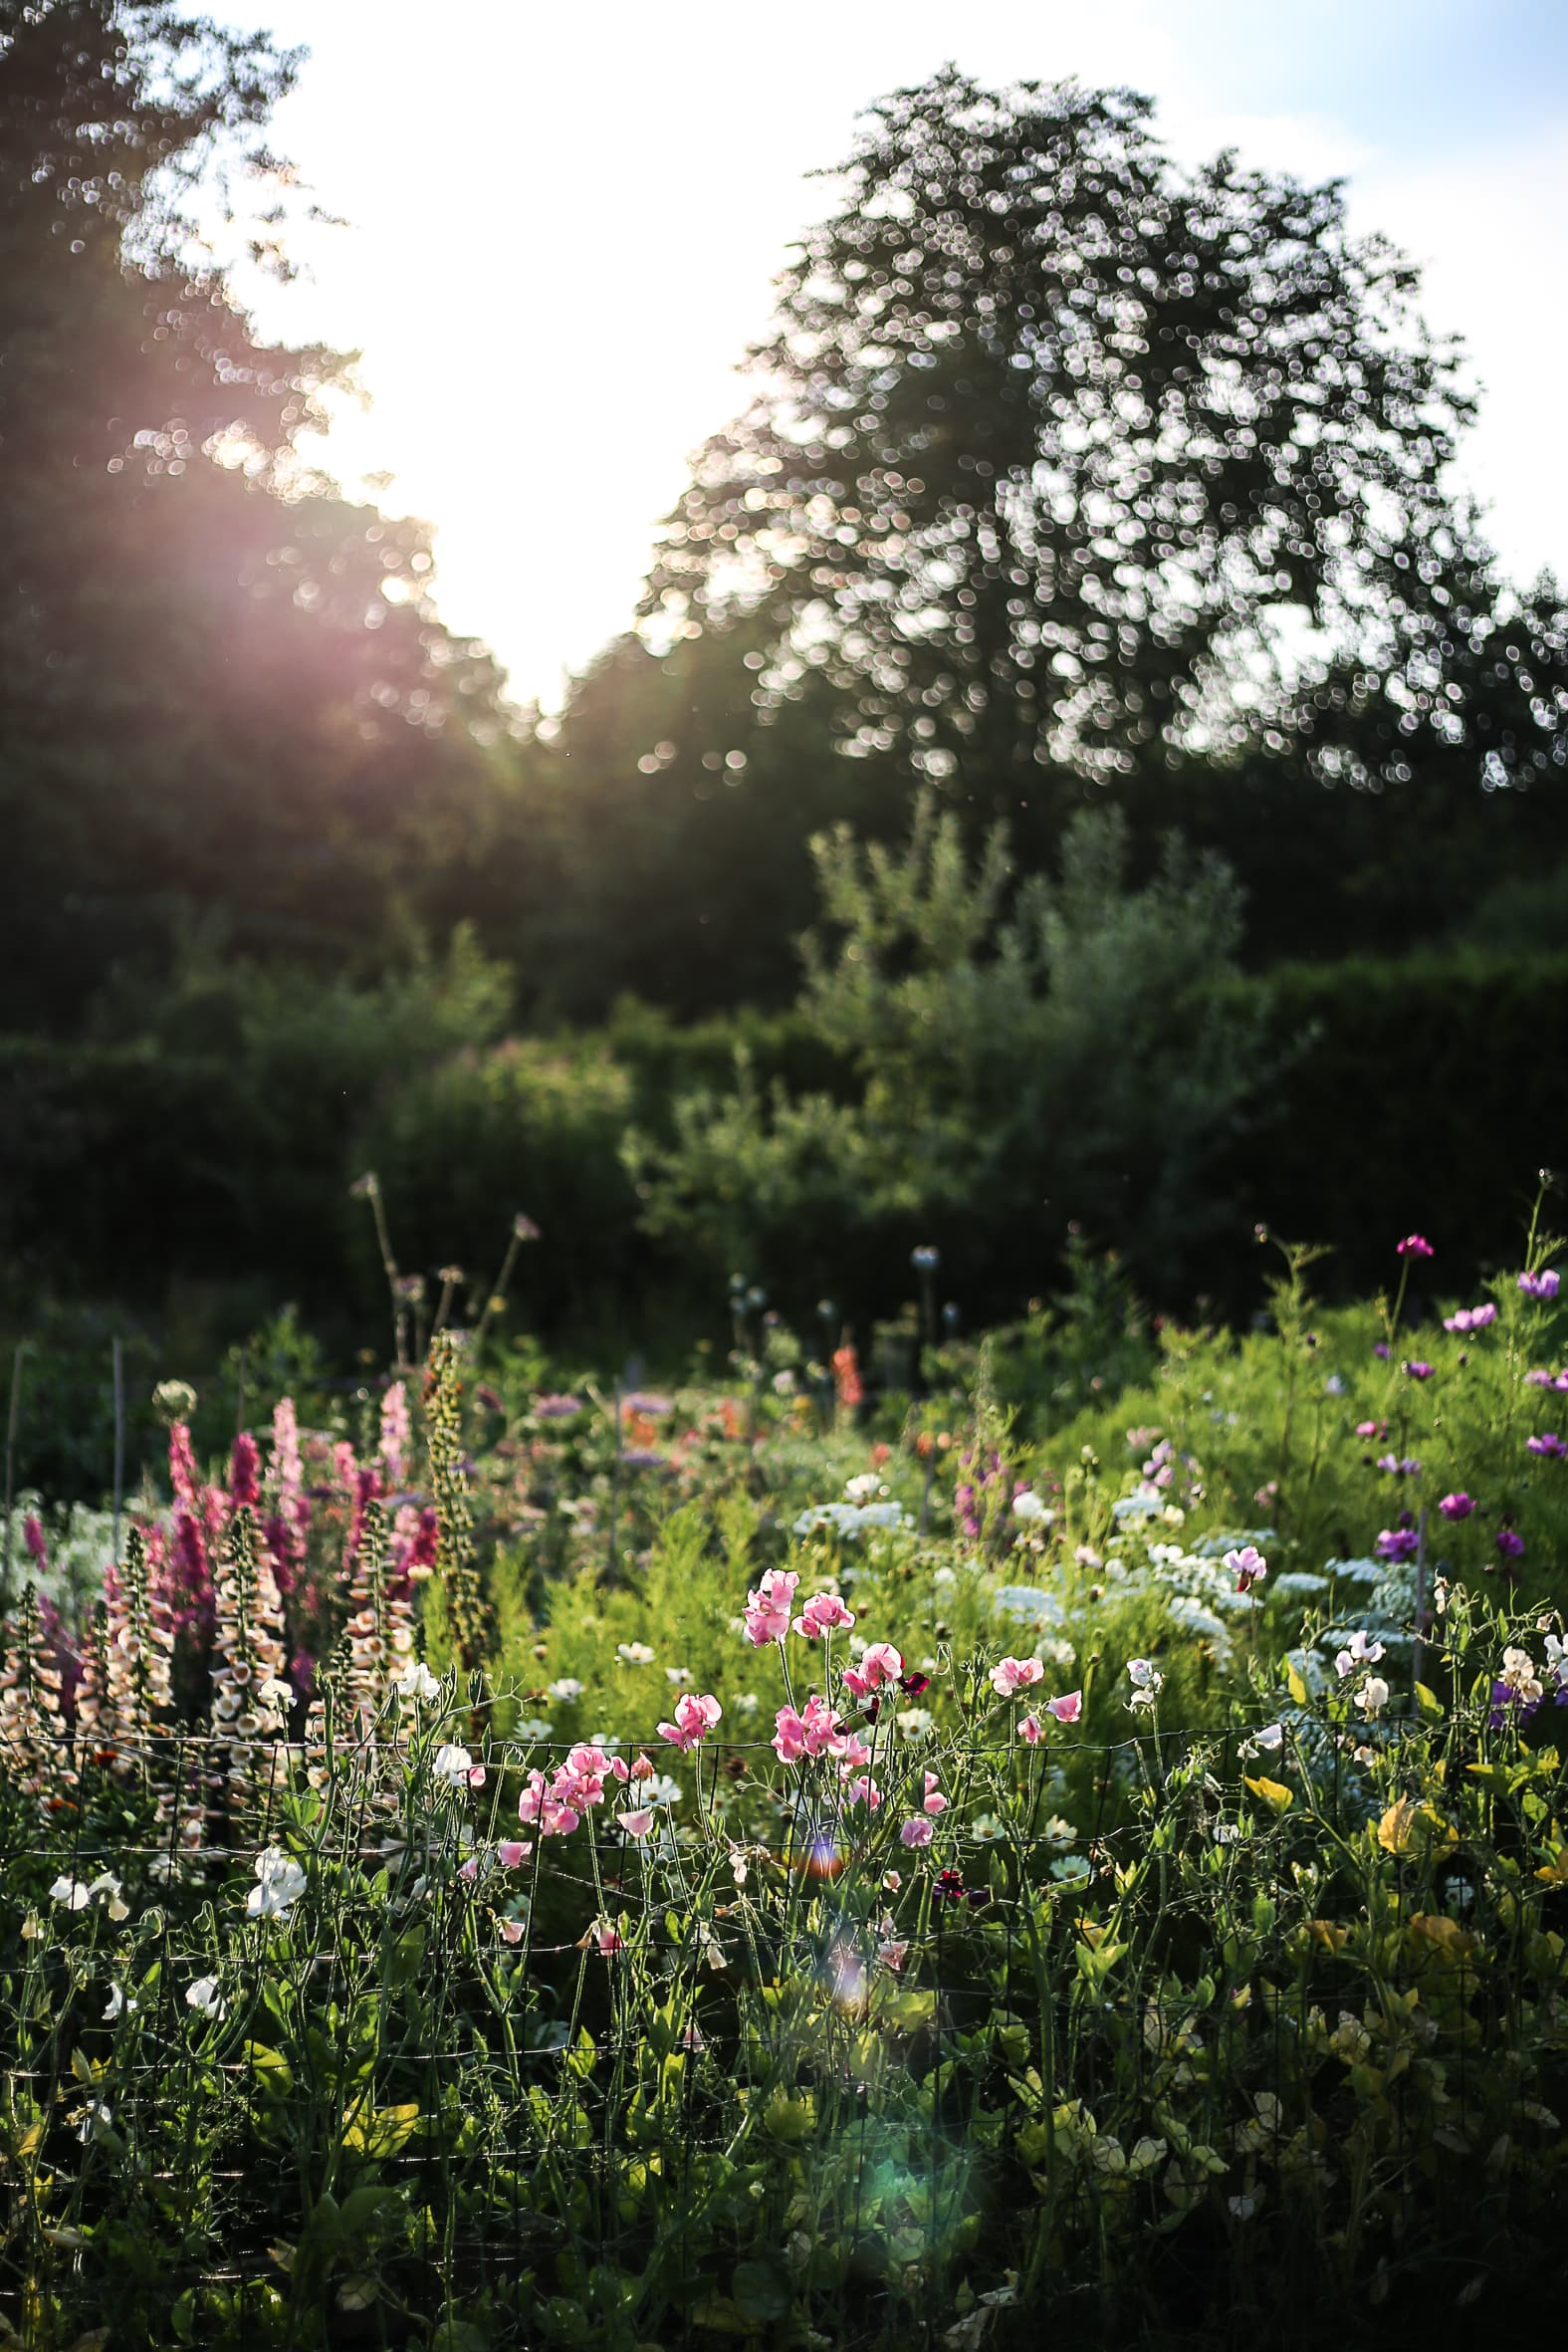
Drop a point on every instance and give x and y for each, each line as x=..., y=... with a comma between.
x=1064, y=1052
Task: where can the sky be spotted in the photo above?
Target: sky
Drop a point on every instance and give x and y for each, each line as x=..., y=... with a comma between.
x=563, y=223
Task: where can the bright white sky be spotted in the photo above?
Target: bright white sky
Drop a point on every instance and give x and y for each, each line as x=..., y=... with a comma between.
x=564, y=221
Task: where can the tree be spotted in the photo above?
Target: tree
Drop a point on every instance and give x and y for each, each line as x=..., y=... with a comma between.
x=222, y=686
x=1062, y=457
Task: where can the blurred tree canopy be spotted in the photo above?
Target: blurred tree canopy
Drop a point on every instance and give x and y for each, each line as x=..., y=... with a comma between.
x=222, y=686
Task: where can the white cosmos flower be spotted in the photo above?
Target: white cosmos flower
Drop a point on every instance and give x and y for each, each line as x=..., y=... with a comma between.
x=204, y=1998
x=634, y=1653
x=565, y=1690
x=281, y=1883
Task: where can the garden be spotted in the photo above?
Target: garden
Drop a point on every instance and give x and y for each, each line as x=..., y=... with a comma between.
x=1058, y=1829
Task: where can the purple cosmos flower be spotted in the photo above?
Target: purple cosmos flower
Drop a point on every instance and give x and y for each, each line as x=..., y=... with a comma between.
x=1510, y=1543
x=1545, y=1285
x=1549, y=1445
x=1403, y=1466
x=557, y=1408
x=1397, y=1543
x=1472, y=1318
x=1415, y=1245
x=1382, y=1348
x=1416, y=1367
x=1457, y=1506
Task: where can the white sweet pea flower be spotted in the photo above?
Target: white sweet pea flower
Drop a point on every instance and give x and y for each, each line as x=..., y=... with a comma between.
x=417, y=1682
x=454, y=1768
x=204, y=1998
x=73, y=1893
x=121, y=2005
x=1146, y=1682
x=280, y=1884
x=1373, y=1695
x=95, y=2118
x=1360, y=1650
x=106, y=1885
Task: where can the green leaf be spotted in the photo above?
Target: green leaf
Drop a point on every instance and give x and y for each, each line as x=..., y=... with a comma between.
x=761, y=2290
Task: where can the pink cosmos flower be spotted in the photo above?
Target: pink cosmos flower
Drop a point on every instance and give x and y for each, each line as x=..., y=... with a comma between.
x=694, y=1720
x=822, y=1612
x=1012, y=1674
x=767, y=1608
x=1415, y=1245
x=1457, y=1506
x=934, y=1802
x=1472, y=1318
x=1549, y=1445
x=881, y=1664
x=1545, y=1285
x=1032, y=1731
x=917, y=1831
x=1066, y=1709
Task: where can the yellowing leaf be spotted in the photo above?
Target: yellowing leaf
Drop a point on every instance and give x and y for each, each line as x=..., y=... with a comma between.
x=1269, y=1792
x=1394, y=1830
x=380, y=2132
x=1294, y=1684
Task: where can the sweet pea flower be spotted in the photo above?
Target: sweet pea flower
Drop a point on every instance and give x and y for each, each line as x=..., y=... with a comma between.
x=822, y=1613
x=1066, y=1709
x=893, y=1954
x=1545, y=1285
x=767, y=1608
x=121, y=2005
x=1457, y=1506
x=603, y=1938
x=455, y=1769
x=694, y=1720
x=1373, y=1695
x=1361, y=1650
x=416, y=1681
x=1247, y=1567
x=73, y=1892
x=934, y=1802
x=513, y=1852
x=635, y=1823
x=204, y=1998
x=1415, y=1245
x=811, y=1733
x=880, y=1665
x=280, y=1884
x=1012, y=1674
x=917, y=1831
x=1032, y=1731
x=1146, y=1682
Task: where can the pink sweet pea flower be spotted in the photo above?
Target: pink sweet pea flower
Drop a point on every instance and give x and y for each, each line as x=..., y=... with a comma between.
x=1069, y=1709
x=603, y=1939
x=813, y=1733
x=863, y=1791
x=892, y=1955
x=1012, y=1674
x=513, y=1852
x=881, y=1664
x=917, y=1831
x=934, y=1802
x=1032, y=1731
x=635, y=1824
x=643, y=1769
x=1247, y=1567
x=822, y=1613
x=694, y=1720
x=768, y=1608
x=513, y=1929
